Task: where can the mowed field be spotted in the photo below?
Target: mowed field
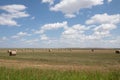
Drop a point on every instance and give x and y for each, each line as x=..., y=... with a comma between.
x=60, y=64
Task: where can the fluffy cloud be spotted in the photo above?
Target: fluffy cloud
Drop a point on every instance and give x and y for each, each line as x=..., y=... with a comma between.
x=12, y=12
x=75, y=32
x=104, y=18
x=54, y=26
x=51, y=27
x=82, y=33
x=104, y=24
x=78, y=38
x=48, y=1
x=103, y=30
x=44, y=37
x=7, y=21
x=109, y=1
x=79, y=35
x=13, y=8
x=64, y=6
x=47, y=27
x=20, y=35
x=76, y=35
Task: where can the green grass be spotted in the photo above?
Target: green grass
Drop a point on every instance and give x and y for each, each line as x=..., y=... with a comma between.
x=39, y=74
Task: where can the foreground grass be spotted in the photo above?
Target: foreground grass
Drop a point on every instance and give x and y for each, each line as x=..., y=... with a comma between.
x=43, y=74
x=60, y=66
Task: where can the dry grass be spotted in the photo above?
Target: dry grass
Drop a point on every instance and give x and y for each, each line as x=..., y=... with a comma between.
x=84, y=59
x=77, y=64
x=27, y=64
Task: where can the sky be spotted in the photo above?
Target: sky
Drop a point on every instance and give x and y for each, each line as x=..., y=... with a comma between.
x=59, y=24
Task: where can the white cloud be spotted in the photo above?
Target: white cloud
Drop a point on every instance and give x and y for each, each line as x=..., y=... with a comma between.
x=54, y=26
x=51, y=27
x=104, y=25
x=48, y=1
x=116, y=40
x=3, y=39
x=103, y=30
x=70, y=15
x=109, y=1
x=13, y=8
x=44, y=37
x=71, y=7
x=33, y=18
x=75, y=32
x=97, y=34
x=20, y=35
x=31, y=42
x=23, y=34
x=12, y=12
x=104, y=18
x=7, y=21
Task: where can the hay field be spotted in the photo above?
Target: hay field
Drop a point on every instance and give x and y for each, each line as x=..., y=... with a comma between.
x=60, y=64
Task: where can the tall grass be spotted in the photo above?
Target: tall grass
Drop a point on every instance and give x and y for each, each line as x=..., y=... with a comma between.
x=39, y=74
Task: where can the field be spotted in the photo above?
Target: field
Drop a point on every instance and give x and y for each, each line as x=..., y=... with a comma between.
x=60, y=64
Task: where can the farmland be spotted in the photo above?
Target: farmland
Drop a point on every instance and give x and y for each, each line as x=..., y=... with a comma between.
x=60, y=64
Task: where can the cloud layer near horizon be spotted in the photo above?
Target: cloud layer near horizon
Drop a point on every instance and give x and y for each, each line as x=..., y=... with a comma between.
x=75, y=35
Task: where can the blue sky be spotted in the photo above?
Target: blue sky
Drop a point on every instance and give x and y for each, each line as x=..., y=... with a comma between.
x=59, y=23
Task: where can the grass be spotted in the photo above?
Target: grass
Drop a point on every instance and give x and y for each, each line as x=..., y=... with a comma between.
x=39, y=74
x=79, y=65
x=67, y=58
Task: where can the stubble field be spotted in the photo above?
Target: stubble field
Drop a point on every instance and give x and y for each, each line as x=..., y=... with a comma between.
x=60, y=64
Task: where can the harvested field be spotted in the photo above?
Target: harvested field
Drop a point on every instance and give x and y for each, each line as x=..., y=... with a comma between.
x=65, y=60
